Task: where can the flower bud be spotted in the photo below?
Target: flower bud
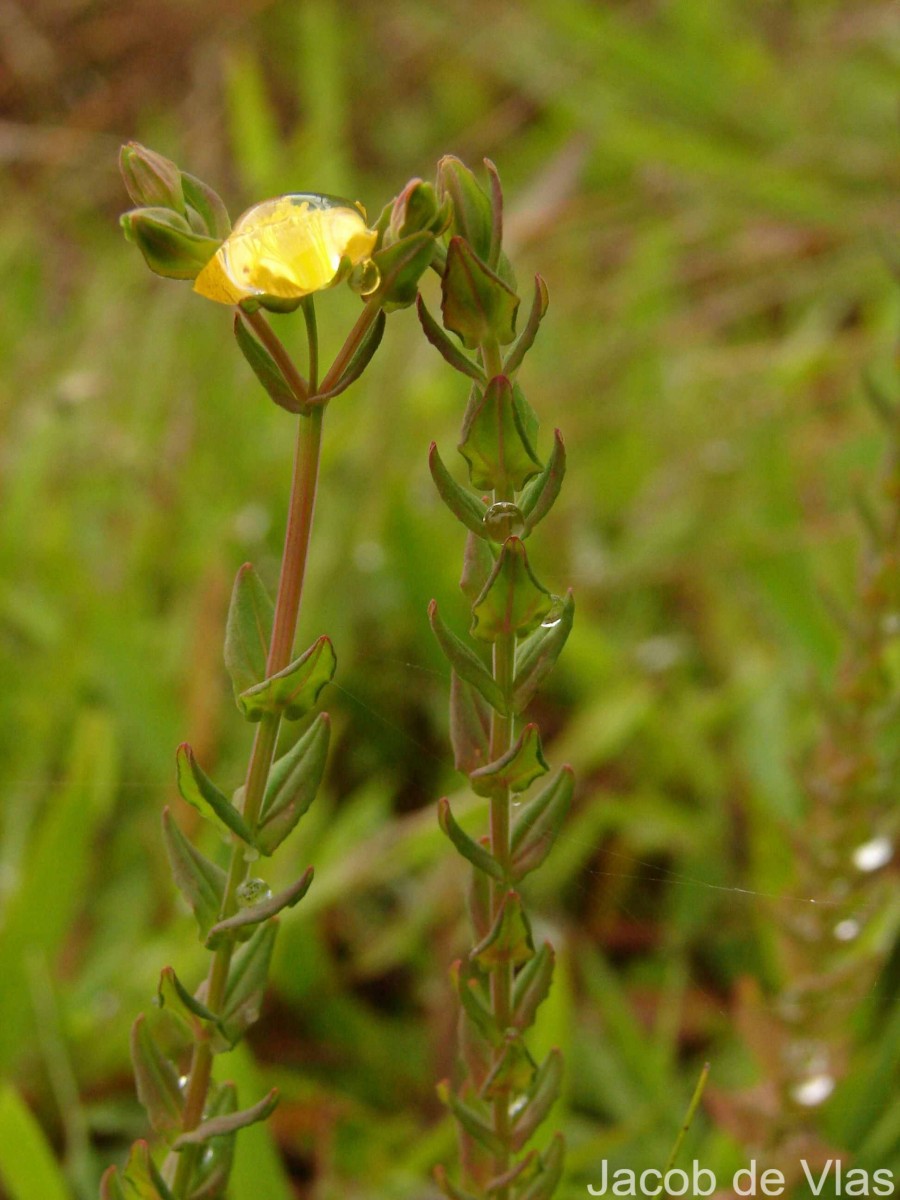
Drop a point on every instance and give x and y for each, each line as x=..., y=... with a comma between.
x=150, y=179
x=169, y=245
x=417, y=209
x=472, y=214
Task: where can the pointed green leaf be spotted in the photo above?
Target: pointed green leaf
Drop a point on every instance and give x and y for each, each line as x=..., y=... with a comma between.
x=470, y=726
x=512, y=1073
x=208, y=205
x=226, y=1123
x=293, y=691
x=478, y=562
x=360, y=360
x=475, y=1002
x=199, y=791
x=465, y=662
x=449, y=350
x=156, y=1079
x=512, y=601
x=544, y=1185
x=247, y=982
x=475, y=302
x=496, y=442
x=174, y=998
x=525, y=340
x=111, y=1185
x=543, y=1094
x=509, y=939
x=201, y=882
x=538, y=822
x=214, y=1168
x=464, y=506
x=401, y=266
x=478, y=903
x=293, y=783
x=266, y=369
x=540, y=494
x=478, y=856
x=138, y=1180
x=520, y=1173
x=532, y=986
x=245, y=917
x=537, y=654
x=473, y=1121
x=450, y=1190
x=248, y=631
x=516, y=770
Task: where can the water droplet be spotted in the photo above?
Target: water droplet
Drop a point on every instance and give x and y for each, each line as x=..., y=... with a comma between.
x=504, y=519
x=368, y=556
x=847, y=930
x=870, y=856
x=182, y=1082
x=659, y=654
x=365, y=277
x=252, y=892
x=813, y=1091
x=554, y=616
x=517, y=1105
x=890, y=624
x=250, y=854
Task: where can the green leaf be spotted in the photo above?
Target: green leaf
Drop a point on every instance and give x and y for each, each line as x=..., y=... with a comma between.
x=478, y=562
x=517, y=769
x=540, y=494
x=544, y=1185
x=201, y=882
x=156, y=1079
x=512, y=601
x=470, y=725
x=450, y=352
x=532, y=986
x=401, y=266
x=174, y=998
x=266, y=369
x=248, y=631
x=512, y=1073
x=525, y=340
x=246, y=917
x=199, y=791
x=475, y=302
x=478, y=856
x=472, y=1121
x=538, y=822
x=495, y=440
x=542, y=1096
x=138, y=1180
x=28, y=1167
x=450, y=1190
x=291, y=693
x=464, y=506
x=538, y=653
x=247, y=983
x=359, y=361
x=465, y=662
x=475, y=1003
x=214, y=1167
x=293, y=783
x=208, y=205
x=230, y=1122
x=509, y=939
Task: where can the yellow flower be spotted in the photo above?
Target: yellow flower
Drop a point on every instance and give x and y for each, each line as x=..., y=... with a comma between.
x=287, y=248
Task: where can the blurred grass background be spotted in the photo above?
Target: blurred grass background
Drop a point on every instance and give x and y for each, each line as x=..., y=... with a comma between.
x=709, y=189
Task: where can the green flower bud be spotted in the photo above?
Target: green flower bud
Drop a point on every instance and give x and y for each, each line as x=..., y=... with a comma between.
x=417, y=209
x=472, y=211
x=169, y=245
x=150, y=179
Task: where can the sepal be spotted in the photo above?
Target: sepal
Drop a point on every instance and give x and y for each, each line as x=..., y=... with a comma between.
x=538, y=822
x=169, y=245
x=472, y=215
x=151, y=179
x=291, y=693
x=205, y=208
x=516, y=770
x=512, y=601
x=401, y=266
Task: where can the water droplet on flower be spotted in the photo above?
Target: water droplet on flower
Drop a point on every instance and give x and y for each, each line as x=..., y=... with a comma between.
x=251, y=892
x=504, y=519
x=813, y=1091
x=847, y=930
x=365, y=277
x=870, y=856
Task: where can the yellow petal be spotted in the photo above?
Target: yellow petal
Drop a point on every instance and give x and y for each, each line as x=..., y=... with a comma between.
x=287, y=248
